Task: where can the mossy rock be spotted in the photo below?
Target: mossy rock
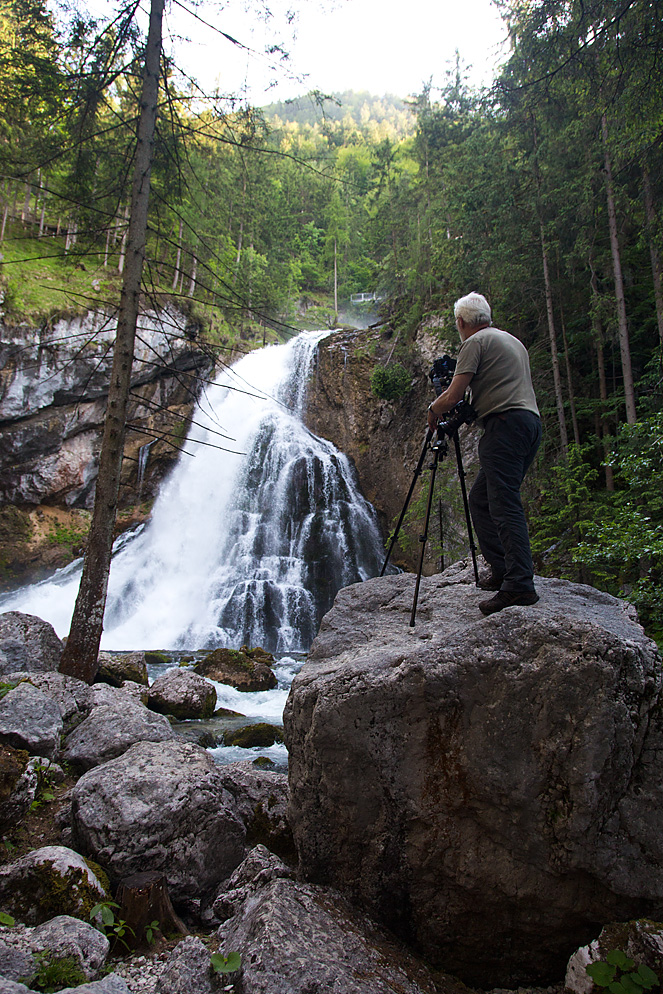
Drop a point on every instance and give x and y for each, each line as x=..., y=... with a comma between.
x=261, y=735
x=13, y=763
x=49, y=882
x=238, y=669
x=114, y=670
x=157, y=658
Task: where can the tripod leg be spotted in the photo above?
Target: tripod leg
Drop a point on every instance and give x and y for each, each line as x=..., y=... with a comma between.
x=468, y=519
x=440, y=449
x=417, y=471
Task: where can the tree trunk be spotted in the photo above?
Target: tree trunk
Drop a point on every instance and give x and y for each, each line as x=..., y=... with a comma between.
x=624, y=346
x=194, y=274
x=178, y=257
x=603, y=384
x=144, y=901
x=650, y=215
x=557, y=381
x=569, y=380
x=80, y=654
x=335, y=285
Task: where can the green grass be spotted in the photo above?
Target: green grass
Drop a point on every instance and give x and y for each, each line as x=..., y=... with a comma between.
x=41, y=283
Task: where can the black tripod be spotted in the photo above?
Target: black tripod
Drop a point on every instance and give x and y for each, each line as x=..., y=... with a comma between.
x=438, y=449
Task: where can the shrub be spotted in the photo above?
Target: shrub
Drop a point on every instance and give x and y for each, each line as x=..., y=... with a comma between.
x=390, y=382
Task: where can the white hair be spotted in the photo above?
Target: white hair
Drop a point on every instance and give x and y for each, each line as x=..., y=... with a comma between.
x=474, y=309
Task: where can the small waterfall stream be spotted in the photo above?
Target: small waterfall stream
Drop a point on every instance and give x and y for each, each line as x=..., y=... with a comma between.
x=246, y=548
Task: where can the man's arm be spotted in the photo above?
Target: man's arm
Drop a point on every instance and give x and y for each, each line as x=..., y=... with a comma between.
x=451, y=396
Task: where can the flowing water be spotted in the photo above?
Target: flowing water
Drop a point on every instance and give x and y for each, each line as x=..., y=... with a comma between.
x=244, y=547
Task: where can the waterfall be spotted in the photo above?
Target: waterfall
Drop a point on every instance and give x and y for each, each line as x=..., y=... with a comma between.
x=244, y=547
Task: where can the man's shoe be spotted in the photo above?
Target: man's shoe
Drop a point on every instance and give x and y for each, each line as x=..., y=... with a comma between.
x=507, y=598
x=490, y=581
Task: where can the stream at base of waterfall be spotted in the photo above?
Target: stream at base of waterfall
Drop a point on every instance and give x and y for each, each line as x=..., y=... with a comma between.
x=257, y=528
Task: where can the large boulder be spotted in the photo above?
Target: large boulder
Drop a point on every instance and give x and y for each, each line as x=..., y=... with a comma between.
x=295, y=938
x=63, y=937
x=182, y=694
x=246, y=670
x=160, y=806
x=115, y=669
x=109, y=730
x=261, y=801
x=30, y=719
x=27, y=643
x=490, y=788
x=46, y=882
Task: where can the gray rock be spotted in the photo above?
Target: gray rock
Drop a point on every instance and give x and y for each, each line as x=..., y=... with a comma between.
x=183, y=694
x=295, y=938
x=66, y=936
x=14, y=963
x=259, y=867
x=489, y=787
x=108, y=731
x=31, y=719
x=115, y=669
x=173, y=814
x=46, y=882
x=112, y=984
x=261, y=801
x=188, y=970
x=69, y=694
x=28, y=643
x=13, y=987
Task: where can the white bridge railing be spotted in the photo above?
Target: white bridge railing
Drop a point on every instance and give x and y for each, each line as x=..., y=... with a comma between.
x=362, y=298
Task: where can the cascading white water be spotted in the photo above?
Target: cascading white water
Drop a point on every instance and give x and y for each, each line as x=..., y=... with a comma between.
x=240, y=549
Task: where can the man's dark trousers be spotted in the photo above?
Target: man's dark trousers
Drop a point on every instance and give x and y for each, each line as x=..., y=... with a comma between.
x=506, y=451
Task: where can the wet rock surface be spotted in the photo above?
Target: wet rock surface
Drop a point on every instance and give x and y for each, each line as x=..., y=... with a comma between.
x=182, y=694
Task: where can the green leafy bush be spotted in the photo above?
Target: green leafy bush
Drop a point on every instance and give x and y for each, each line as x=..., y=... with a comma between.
x=620, y=975
x=53, y=974
x=390, y=382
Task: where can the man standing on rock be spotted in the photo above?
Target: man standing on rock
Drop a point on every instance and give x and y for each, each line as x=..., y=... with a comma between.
x=495, y=366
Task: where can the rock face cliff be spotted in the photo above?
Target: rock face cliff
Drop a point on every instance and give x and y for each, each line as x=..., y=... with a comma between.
x=53, y=389
x=489, y=788
x=382, y=438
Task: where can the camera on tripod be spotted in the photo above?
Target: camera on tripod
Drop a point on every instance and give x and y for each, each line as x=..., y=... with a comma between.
x=441, y=375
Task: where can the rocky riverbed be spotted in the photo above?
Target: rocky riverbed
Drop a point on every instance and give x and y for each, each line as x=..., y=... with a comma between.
x=467, y=803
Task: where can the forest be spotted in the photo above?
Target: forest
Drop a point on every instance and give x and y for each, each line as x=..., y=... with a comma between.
x=543, y=192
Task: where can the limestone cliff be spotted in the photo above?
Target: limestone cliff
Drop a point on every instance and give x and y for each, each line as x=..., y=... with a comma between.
x=53, y=389
x=383, y=439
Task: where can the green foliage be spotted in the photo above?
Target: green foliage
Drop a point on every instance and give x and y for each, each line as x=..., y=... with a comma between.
x=44, y=790
x=5, y=688
x=53, y=974
x=6, y=919
x=113, y=928
x=226, y=964
x=620, y=975
x=390, y=382
x=568, y=506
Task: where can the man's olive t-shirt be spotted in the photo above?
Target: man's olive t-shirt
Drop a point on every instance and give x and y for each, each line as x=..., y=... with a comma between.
x=501, y=377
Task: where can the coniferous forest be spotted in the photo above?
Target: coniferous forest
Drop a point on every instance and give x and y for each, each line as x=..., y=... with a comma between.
x=543, y=192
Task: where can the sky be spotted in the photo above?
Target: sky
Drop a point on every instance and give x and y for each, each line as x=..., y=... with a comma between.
x=382, y=46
